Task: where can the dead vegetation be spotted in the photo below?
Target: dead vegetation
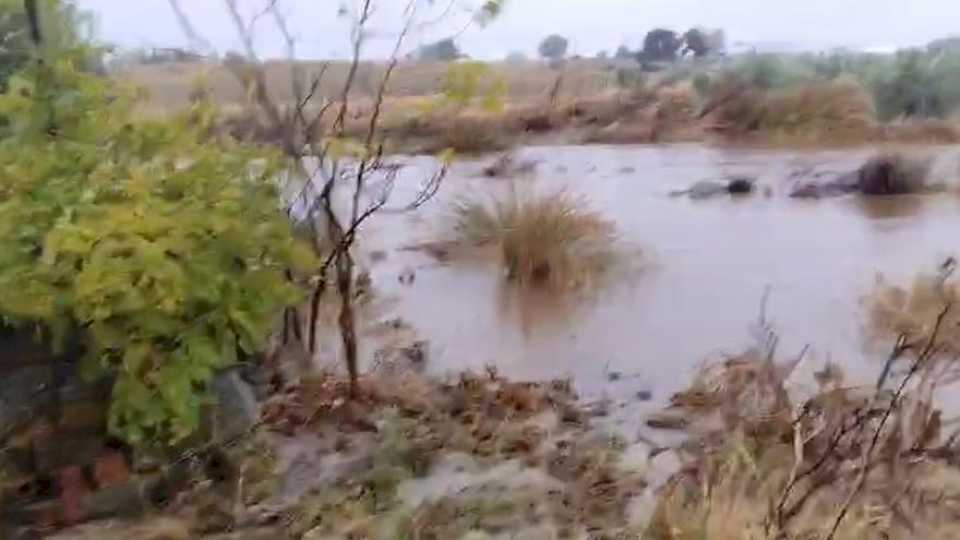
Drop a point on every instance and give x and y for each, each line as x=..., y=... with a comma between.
x=551, y=240
x=768, y=460
x=593, y=106
x=836, y=111
x=518, y=457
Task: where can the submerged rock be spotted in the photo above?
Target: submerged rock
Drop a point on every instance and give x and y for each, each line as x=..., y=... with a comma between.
x=740, y=185
x=842, y=184
x=886, y=174
x=892, y=174
x=508, y=165
x=735, y=185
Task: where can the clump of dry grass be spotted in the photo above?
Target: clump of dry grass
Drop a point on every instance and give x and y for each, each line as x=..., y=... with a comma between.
x=843, y=461
x=921, y=130
x=838, y=111
x=912, y=311
x=894, y=173
x=554, y=240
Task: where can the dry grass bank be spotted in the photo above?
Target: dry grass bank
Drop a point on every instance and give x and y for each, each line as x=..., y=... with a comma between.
x=589, y=105
x=773, y=456
x=170, y=85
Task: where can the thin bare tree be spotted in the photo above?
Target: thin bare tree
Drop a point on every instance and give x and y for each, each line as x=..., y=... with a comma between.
x=312, y=134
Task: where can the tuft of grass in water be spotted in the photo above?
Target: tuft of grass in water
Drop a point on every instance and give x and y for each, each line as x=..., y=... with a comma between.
x=547, y=240
x=894, y=173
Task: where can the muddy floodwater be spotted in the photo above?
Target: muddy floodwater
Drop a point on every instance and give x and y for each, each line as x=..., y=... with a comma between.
x=697, y=285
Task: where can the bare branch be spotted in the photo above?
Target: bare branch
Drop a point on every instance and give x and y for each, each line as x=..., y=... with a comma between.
x=195, y=39
x=365, y=12
x=244, y=31
x=922, y=358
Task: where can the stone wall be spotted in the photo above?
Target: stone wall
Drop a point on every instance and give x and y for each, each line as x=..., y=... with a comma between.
x=56, y=453
x=59, y=466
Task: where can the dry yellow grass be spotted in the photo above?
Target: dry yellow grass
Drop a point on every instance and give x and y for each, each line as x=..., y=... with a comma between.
x=555, y=239
x=169, y=86
x=767, y=460
x=835, y=110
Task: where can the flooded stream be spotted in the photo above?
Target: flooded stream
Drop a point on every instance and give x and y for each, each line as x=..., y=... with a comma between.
x=697, y=286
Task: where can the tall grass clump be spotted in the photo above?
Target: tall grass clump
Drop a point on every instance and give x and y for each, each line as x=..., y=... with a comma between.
x=832, y=110
x=838, y=110
x=551, y=240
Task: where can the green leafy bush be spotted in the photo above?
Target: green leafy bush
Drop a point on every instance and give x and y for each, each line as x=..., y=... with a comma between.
x=65, y=26
x=469, y=82
x=163, y=249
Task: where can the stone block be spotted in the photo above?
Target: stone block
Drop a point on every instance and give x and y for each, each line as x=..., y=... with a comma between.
x=125, y=500
x=236, y=409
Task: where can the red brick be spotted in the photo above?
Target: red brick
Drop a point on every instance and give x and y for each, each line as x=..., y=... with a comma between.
x=111, y=469
x=73, y=488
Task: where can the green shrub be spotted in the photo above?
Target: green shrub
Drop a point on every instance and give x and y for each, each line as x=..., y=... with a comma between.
x=467, y=83
x=164, y=251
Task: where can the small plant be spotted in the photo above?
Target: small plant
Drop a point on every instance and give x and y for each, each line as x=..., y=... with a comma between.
x=552, y=239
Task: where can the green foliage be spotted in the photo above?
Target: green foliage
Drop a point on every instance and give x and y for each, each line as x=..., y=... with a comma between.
x=445, y=50
x=770, y=71
x=489, y=11
x=165, y=251
x=469, y=82
x=909, y=83
x=63, y=24
x=701, y=83
x=917, y=83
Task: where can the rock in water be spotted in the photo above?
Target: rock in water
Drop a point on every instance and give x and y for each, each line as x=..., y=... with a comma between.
x=706, y=188
x=842, y=184
x=740, y=185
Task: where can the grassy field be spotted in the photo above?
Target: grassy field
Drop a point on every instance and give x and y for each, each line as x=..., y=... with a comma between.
x=584, y=101
x=169, y=86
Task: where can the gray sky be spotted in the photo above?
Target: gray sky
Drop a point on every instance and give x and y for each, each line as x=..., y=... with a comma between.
x=591, y=25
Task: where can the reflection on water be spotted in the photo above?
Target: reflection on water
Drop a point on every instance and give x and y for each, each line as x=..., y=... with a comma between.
x=706, y=266
x=538, y=309
x=903, y=206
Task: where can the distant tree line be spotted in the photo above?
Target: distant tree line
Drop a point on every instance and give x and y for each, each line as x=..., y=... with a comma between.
x=663, y=45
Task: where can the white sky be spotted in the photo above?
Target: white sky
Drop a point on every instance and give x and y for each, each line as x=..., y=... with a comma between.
x=591, y=25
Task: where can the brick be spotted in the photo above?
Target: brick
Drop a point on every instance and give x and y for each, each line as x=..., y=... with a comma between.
x=73, y=490
x=89, y=416
x=28, y=518
x=111, y=469
x=119, y=501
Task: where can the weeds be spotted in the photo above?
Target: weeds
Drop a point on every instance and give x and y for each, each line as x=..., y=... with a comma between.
x=534, y=463
x=848, y=461
x=549, y=240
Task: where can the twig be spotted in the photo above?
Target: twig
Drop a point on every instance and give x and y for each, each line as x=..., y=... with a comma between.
x=861, y=478
x=195, y=39
x=898, y=349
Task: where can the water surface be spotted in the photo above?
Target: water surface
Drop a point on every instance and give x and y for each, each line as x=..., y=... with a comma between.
x=705, y=266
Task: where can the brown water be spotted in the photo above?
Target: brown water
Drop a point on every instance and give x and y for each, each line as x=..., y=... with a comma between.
x=697, y=288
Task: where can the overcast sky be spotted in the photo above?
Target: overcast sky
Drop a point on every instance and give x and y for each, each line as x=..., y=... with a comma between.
x=591, y=25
